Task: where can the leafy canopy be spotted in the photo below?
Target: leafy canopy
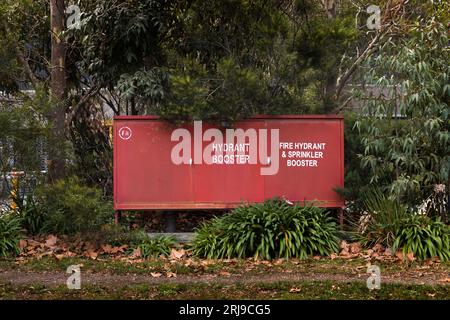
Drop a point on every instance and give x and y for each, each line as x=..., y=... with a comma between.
x=405, y=128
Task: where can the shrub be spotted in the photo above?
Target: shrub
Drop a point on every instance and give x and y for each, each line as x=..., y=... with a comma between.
x=407, y=155
x=382, y=220
x=423, y=236
x=269, y=230
x=389, y=223
x=70, y=207
x=155, y=247
x=10, y=233
x=32, y=218
x=356, y=178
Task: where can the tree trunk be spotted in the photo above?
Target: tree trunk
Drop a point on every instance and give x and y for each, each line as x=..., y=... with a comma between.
x=58, y=90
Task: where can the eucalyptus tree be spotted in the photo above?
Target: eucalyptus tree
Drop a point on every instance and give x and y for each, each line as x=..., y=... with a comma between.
x=405, y=127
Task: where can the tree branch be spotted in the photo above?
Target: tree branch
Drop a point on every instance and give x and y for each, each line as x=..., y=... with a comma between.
x=342, y=80
x=392, y=10
x=23, y=61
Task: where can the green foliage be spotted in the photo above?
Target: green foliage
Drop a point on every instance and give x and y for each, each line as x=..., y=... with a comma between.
x=25, y=25
x=92, y=148
x=157, y=246
x=70, y=207
x=32, y=217
x=22, y=133
x=269, y=230
x=389, y=223
x=382, y=220
x=356, y=178
x=117, y=235
x=144, y=86
x=423, y=236
x=407, y=154
x=241, y=58
x=188, y=99
x=233, y=93
x=9, y=64
x=119, y=37
x=214, y=60
x=10, y=233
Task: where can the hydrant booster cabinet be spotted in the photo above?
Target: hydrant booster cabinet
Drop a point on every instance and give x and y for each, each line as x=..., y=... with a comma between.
x=160, y=166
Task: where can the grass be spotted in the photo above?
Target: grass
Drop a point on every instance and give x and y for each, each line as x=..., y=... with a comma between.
x=317, y=286
x=192, y=291
x=247, y=267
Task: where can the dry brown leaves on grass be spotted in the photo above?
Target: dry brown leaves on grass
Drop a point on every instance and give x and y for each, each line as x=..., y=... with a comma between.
x=377, y=252
x=61, y=248
x=177, y=254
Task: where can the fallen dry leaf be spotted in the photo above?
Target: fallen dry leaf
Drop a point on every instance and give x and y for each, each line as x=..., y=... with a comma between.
x=345, y=248
x=115, y=250
x=60, y=256
x=138, y=261
x=446, y=280
x=350, y=256
x=206, y=262
x=51, y=241
x=344, y=245
x=171, y=275
x=155, y=274
x=429, y=262
x=410, y=256
x=277, y=262
x=294, y=290
x=91, y=254
x=22, y=244
x=107, y=248
x=70, y=254
x=436, y=259
x=224, y=273
x=136, y=253
x=378, y=248
x=20, y=260
x=188, y=262
x=400, y=255
x=31, y=252
x=355, y=247
x=177, y=254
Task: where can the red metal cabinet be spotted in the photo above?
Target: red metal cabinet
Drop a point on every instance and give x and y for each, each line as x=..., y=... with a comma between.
x=222, y=186
x=311, y=182
x=146, y=178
